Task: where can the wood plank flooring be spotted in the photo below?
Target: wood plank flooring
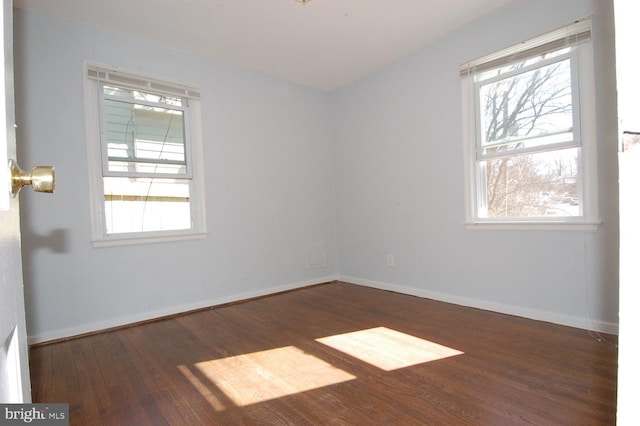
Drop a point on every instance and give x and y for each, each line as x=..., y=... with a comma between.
x=268, y=362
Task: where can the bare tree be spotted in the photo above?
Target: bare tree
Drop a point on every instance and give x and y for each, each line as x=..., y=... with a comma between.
x=515, y=108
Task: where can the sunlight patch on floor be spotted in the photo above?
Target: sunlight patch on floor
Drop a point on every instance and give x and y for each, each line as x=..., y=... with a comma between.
x=388, y=349
x=261, y=376
x=202, y=388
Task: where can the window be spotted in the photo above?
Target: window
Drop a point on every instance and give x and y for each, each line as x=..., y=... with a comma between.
x=529, y=132
x=145, y=150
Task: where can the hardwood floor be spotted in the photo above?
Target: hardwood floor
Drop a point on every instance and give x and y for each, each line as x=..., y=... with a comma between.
x=333, y=354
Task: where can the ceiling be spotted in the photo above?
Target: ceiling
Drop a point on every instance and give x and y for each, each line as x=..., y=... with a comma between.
x=324, y=44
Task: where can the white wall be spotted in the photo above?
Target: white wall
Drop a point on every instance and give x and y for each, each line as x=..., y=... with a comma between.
x=387, y=149
x=269, y=186
x=400, y=187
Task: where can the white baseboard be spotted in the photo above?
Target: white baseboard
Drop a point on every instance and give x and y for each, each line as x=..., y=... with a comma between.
x=146, y=316
x=571, y=321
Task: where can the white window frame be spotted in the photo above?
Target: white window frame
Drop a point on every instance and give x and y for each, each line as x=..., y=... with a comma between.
x=95, y=76
x=578, y=37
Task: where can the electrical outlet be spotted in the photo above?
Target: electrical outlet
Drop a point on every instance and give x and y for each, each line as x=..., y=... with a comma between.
x=391, y=260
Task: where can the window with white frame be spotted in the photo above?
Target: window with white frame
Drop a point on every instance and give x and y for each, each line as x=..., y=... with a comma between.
x=529, y=132
x=144, y=144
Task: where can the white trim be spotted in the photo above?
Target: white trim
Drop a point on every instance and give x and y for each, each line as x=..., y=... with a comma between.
x=532, y=226
x=194, y=151
x=588, y=133
x=196, y=158
x=92, y=126
x=529, y=150
x=583, y=102
x=568, y=35
x=141, y=81
x=567, y=320
x=160, y=313
x=509, y=141
x=469, y=147
x=143, y=238
x=534, y=314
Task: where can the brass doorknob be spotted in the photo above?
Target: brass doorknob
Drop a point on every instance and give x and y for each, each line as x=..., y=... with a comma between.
x=41, y=178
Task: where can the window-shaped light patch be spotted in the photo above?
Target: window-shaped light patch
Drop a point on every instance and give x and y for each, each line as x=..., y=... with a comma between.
x=275, y=373
x=203, y=388
x=388, y=349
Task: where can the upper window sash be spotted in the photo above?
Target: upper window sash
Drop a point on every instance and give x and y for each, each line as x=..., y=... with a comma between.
x=557, y=138
x=153, y=164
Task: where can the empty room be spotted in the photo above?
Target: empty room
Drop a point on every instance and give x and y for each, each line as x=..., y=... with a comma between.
x=321, y=212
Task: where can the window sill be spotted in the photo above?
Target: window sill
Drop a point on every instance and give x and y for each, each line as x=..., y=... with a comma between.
x=532, y=226
x=133, y=239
